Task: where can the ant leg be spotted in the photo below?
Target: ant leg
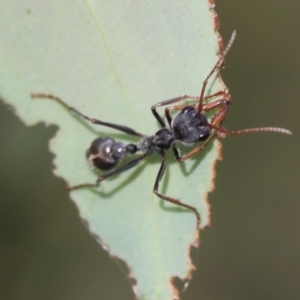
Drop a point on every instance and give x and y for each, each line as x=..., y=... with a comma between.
x=122, y=128
x=193, y=152
x=167, y=102
x=214, y=69
x=179, y=107
x=167, y=198
x=223, y=93
x=122, y=169
x=206, y=107
x=223, y=104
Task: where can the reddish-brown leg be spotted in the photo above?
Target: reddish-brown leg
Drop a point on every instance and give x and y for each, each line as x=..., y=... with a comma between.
x=215, y=69
x=167, y=102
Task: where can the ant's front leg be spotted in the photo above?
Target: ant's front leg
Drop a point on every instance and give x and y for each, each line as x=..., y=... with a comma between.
x=205, y=107
x=122, y=128
x=194, y=152
x=215, y=69
x=158, y=117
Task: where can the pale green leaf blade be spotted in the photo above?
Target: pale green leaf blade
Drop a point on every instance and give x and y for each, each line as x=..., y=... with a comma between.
x=112, y=61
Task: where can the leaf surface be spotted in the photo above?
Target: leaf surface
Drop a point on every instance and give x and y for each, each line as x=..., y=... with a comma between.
x=112, y=60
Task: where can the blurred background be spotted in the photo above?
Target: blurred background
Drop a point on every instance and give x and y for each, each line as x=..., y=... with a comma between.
x=252, y=249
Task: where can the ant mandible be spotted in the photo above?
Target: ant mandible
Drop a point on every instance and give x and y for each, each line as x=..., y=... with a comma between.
x=189, y=127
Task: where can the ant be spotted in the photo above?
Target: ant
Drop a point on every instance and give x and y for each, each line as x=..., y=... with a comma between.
x=189, y=127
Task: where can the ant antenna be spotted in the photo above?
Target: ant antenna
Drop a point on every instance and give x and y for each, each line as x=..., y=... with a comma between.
x=251, y=130
x=216, y=67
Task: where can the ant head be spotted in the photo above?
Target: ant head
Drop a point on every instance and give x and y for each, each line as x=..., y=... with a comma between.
x=190, y=126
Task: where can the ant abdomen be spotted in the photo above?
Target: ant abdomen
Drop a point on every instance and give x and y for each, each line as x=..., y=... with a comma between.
x=105, y=153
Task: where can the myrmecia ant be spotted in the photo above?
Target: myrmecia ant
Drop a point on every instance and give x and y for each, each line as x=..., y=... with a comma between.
x=189, y=127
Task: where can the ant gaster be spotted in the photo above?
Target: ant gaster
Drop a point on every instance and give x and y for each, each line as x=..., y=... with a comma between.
x=189, y=127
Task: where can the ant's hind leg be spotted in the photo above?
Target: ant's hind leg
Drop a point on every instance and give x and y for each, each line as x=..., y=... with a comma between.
x=117, y=171
x=82, y=186
x=170, y=199
x=122, y=128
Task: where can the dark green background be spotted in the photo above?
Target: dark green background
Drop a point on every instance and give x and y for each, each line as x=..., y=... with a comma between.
x=252, y=249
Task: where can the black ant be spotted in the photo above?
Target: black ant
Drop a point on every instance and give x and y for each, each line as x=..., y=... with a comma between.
x=189, y=127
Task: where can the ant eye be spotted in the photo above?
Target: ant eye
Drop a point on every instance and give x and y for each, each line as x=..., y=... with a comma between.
x=187, y=109
x=204, y=135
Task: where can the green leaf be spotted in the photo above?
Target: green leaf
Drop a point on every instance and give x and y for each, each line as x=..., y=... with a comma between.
x=112, y=60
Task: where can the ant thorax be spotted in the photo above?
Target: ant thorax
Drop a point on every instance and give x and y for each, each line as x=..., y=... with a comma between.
x=162, y=140
x=190, y=126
